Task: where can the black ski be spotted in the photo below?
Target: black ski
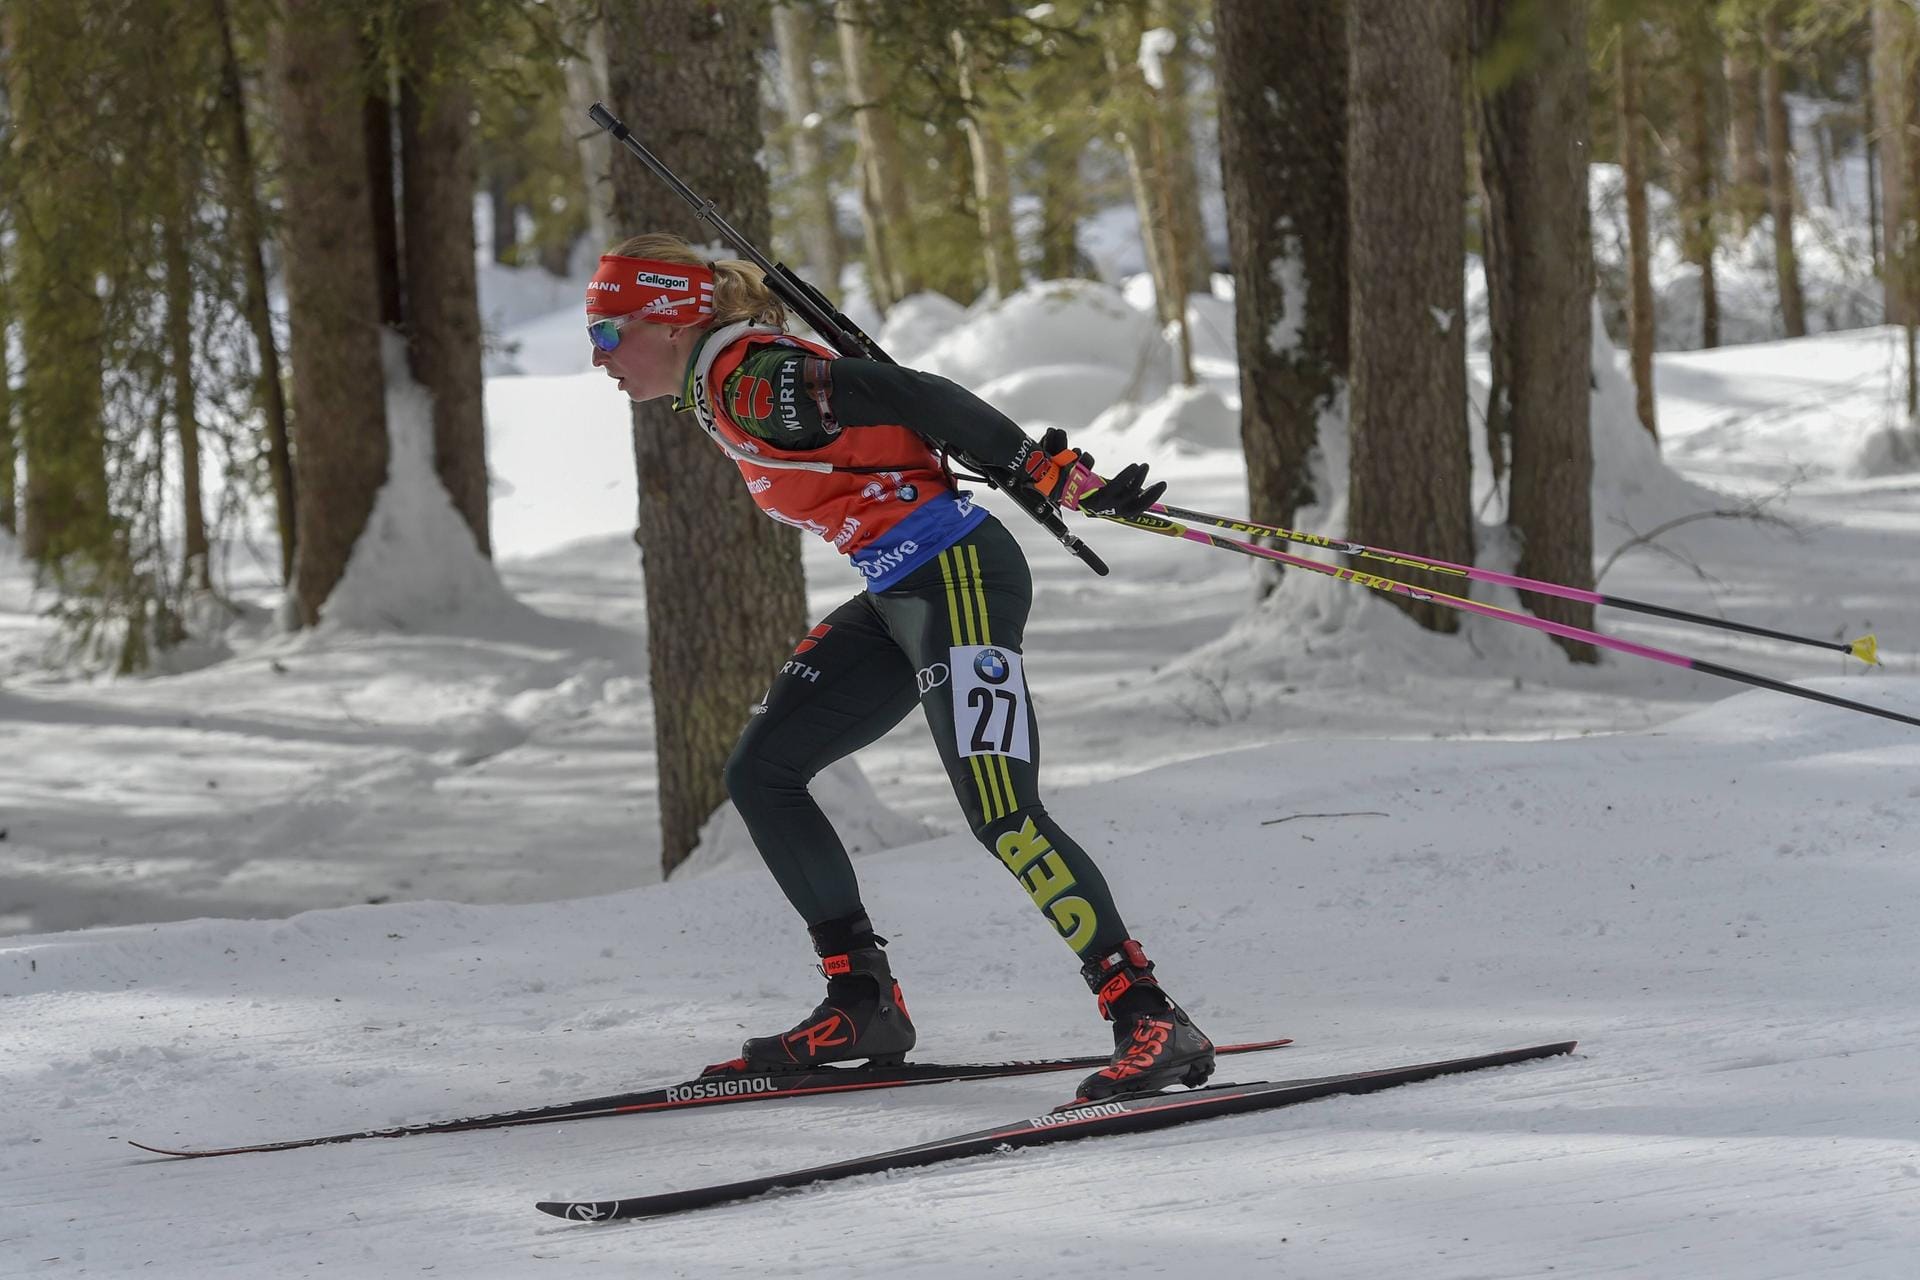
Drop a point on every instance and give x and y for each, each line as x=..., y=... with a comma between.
x=1086, y=1120
x=729, y=1082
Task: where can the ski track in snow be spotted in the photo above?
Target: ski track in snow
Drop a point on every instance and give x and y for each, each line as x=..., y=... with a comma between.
x=1713, y=891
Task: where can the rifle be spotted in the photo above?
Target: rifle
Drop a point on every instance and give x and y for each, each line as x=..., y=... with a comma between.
x=835, y=329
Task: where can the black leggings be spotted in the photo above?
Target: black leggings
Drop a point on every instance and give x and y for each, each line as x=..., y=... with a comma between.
x=948, y=637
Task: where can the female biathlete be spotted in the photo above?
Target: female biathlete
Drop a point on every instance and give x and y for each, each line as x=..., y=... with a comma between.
x=940, y=623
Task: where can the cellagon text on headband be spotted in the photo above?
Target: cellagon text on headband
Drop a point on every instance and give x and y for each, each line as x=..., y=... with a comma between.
x=657, y=292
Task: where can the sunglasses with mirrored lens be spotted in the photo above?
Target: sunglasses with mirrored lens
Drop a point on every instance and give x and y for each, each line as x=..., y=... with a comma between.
x=605, y=334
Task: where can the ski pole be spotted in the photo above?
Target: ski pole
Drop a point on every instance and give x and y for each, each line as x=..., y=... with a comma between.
x=1866, y=648
x=1174, y=529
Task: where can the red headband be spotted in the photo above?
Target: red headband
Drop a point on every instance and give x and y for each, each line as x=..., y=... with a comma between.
x=661, y=292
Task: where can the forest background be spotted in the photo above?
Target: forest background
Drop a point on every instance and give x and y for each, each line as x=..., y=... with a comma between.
x=231, y=227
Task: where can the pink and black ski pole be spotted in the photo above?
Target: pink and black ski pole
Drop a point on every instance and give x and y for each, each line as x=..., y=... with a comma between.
x=1864, y=649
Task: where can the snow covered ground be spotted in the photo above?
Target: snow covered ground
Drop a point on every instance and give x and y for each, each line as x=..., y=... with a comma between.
x=1713, y=890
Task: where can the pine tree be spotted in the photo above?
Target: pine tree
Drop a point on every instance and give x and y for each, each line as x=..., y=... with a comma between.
x=1633, y=166
x=442, y=307
x=175, y=233
x=1178, y=21
x=886, y=215
x=1406, y=176
x=1142, y=125
x=240, y=193
x=383, y=178
x=992, y=192
x=1748, y=172
x=1532, y=103
x=818, y=232
x=9, y=440
x=1780, y=183
x=1283, y=141
x=333, y=292
x=725, y=601
x=1896, y=83
x=62, y=204
x=1700, y=59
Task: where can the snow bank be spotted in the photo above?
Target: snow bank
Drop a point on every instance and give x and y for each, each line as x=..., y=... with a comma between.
x=915, y=323
x=1633, y=487
x=1833, y=248
x=1054, y=322
x=416, y=563
x=1068, y=396
x=1889, y=451
x=1786, y=412
x=1186, y=420
x=1286, y=640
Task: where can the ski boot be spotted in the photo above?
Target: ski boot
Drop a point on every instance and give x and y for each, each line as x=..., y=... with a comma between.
x=863, y=1016
x=1155, y=1043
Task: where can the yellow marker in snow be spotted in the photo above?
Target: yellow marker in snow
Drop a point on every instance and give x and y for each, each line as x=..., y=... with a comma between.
x=1867, y=649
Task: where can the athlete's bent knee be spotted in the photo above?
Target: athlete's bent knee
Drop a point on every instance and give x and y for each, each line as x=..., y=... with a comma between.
x=754, y=770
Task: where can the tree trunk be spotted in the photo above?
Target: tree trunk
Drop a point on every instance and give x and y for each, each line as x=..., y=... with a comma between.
x=1533, y=135
x=60, y=194
x=1174, y=248
x=813, y=198
x=1143, y=141
x=1780, y=179
x=1872, y=111
x=442, y=296
x=503, y=243
x=1896, y=78
x=724, y=594
x=377, y=118
x=333, y=294
x=1823, y=146
x=1749, y=194
x=186, y=420
x=586, y=84
x=1700, y=54
x=1406, y=176
x=1894, y=103
x=1633, y=164
x=9, y=442
x=1176, y=110
x=992, y=192
x=1063, y=202
x=1283, y=142
x=888, y=213
x=271, y=392
x=873, y=234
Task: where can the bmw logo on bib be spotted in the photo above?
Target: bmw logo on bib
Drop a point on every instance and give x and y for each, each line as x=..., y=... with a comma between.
x=992, y=666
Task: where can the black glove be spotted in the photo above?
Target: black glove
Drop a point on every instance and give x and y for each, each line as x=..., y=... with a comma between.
x=1123, y=495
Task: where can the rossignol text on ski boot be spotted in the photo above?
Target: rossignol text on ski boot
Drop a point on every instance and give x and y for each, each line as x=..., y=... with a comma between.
x=1155, y=1043
x=863, y=1016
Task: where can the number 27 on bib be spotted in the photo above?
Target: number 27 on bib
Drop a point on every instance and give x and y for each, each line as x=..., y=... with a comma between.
x=990, y=702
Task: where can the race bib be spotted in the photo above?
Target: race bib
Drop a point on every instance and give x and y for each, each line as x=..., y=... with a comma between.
x=989, y=702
